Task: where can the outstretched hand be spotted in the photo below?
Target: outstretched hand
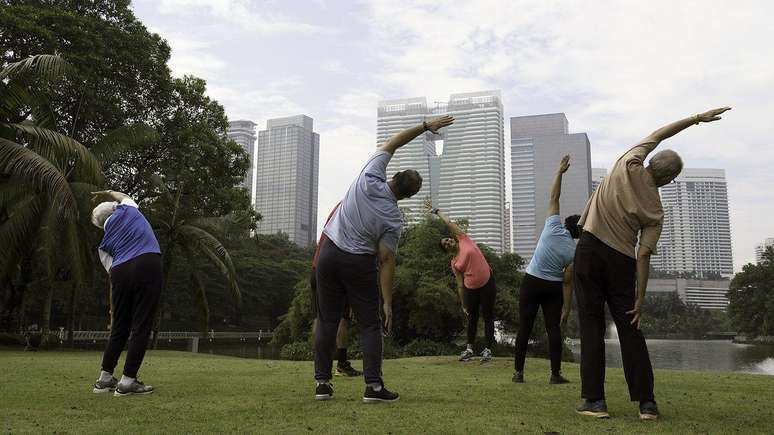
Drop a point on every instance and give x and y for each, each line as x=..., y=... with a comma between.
x=564, y=165
x=712, y=115
x=637, y=313
x=439, y=123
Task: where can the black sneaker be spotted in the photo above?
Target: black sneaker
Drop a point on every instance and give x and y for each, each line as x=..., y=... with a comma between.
x=324, y=391
x=105, y=386
x=518, y=377
x=648, y=410
x=347, y=370
x=383, y=395
x=136, y=387
x=557, y=378
x=597, y=408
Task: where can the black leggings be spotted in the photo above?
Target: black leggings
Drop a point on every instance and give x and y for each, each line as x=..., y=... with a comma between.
x=485, y=298
x=537, y=293
x=136, y=291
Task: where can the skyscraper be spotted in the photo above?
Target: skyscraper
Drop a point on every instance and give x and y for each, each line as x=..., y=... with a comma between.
x=761, y=248
x=597, y=175
x=696, y=236
x=466, y=180
x=538, y=143
x=288, y=156
x=243, y=133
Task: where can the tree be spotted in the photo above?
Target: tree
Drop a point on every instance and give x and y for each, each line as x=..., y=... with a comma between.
x=119, y=69
x=183, y=233
x=751, y=297
x=45, y=178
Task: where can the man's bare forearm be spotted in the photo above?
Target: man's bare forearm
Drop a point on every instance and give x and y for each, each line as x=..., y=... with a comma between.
x=643, y=273
x=672, y=129
x=386, y=274
x=402, y=138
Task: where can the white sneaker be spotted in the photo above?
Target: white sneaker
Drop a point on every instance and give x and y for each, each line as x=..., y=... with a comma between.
x=486, y=355
x=466, y=355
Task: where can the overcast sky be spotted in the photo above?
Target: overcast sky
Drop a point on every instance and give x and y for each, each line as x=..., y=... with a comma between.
x=617, y=69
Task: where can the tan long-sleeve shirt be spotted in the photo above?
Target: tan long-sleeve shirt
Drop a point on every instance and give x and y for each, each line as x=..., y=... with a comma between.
x=627, y=204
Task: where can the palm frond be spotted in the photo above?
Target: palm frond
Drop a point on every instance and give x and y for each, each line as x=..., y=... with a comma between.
x=206, y=243
x=21, y=228
x=63, y=146
x=25, y=164
x=121, y=139
x=46, y=66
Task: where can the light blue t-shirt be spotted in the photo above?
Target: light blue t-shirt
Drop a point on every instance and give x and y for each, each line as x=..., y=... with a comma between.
x=369, y=212
x=554, y=252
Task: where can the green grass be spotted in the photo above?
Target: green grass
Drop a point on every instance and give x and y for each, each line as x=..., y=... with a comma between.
x=50, y=392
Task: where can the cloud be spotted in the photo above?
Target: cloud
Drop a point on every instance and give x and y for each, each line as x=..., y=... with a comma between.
x=618, y=70
x=247, y=15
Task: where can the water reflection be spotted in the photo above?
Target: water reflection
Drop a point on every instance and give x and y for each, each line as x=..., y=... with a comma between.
x=702, y=355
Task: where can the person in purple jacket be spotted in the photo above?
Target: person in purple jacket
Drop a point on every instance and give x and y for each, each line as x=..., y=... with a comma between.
x=131, y=255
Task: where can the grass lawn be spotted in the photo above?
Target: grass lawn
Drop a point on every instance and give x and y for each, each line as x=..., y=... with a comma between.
x=50, y=392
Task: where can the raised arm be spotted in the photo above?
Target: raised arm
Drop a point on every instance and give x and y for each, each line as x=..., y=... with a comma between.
x=556, y=190
x=667, y=131
x=453, y=228
x=407, y=135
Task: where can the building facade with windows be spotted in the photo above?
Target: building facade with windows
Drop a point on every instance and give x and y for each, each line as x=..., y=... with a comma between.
x=538, y=143
x=467, y=178
x=287, y=169
x=243, y=133
x=696, y=235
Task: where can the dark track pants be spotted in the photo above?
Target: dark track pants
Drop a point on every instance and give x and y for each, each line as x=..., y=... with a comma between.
x=539, y=293
x=604, y=275
x=343, y=277
x=484, y=298
x=135, y=298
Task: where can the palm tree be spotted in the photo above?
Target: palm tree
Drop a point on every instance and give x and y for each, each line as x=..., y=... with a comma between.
x=45, y=177
x=190, y=236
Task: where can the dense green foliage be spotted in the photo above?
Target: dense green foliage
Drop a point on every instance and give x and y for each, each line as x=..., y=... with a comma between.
x=49, y=392
x=751, y=298
x=103, y=113
x=425, y=301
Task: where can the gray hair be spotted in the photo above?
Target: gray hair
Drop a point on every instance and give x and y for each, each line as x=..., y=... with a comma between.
x=665, y=165
x=101, y=212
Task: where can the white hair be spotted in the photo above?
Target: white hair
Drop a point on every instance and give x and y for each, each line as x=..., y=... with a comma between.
x=101, y=212
x=666, y=165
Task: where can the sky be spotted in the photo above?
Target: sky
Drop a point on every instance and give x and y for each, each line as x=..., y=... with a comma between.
x=618, y=70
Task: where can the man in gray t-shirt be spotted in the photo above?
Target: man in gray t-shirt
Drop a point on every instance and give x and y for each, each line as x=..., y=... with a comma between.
x=359, y=257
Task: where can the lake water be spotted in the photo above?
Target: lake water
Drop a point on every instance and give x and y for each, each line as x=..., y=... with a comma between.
x=701, y=355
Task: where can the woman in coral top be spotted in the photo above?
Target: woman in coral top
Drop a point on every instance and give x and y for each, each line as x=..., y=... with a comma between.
x=475, y=284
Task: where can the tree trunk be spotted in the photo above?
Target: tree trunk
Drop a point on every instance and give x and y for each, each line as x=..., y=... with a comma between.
x=46, y=318
x=71, y=312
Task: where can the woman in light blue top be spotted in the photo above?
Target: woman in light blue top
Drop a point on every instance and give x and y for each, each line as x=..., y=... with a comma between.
x=548, y=282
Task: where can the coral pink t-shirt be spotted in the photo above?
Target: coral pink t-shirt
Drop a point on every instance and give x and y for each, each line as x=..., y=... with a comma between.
x=470, y=262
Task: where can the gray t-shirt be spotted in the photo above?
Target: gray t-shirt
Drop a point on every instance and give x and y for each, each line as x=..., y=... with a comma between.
x=369, y=212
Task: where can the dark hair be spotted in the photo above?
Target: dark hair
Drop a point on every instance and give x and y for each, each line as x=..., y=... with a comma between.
x=571, y=223
x=407, y=183
x=440, y=245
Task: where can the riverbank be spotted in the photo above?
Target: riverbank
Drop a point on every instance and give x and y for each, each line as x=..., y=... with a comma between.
x=50, y=392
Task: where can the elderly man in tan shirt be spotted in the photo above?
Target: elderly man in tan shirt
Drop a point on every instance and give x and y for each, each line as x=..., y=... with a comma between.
x=610, y=267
